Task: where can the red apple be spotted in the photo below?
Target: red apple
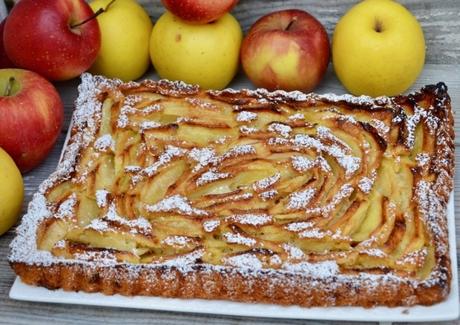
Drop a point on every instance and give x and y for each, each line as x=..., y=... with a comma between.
x=31, y=116
x=45, y=36
x=199, y=11
x=287, y=50
x=5, y=61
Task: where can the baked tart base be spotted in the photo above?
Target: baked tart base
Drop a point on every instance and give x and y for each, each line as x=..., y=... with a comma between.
x=285, y=198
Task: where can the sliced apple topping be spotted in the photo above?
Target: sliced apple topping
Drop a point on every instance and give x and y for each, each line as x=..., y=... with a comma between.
x=248, y=179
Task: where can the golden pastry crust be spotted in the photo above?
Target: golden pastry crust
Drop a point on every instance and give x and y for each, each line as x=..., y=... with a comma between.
x=292, y=231
x=260, y=287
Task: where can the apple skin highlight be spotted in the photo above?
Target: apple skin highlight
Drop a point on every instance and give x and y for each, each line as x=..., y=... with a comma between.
x=286, y=50
x=31, y=118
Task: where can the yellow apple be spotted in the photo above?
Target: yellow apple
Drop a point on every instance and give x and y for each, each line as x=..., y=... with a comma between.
x=11, y=192
x=378, y=48
x=125, y=32
x=207, y=55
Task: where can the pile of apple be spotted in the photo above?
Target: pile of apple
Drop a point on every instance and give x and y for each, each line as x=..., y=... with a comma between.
x=378, y=47
x=199, y=42
x=42, y=40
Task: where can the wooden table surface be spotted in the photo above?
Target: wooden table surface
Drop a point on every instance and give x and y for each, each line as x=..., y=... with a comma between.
x=440, y=20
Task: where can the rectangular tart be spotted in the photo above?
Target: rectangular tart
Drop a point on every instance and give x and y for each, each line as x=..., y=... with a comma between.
x=165, y=189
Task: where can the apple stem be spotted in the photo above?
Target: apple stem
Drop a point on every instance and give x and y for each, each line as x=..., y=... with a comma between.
x=378, y=26
x=290, y=24
x=9, y=86
x=97, y=13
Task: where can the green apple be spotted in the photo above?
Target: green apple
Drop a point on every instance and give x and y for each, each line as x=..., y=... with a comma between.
x=207, y=54
x=378, y=48
x=125, y=32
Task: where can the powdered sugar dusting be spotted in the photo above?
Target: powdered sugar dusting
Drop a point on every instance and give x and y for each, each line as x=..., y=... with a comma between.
x=99, y=225
x=411, y=123
x=101, y=198
x=235, y=238
x=319, y=270
x=282, y=129
x=365, y=184
x=349, y=163
x=268, y=195
x=277, y=141
x=178, y=204
x=422, y=159
x=24, y=245
x=416, y=257
x=246, y=116
x=374, y=252
x=430, y=209
x=127, y=108
x=148, y=125
x=204, y=157
x=248, y=130
x=104, y=143
x=66, y=209
x=237, y=197
x=169, y=154
x=245, y=261
x=381, y=127
x=133, y=169
x=151, y=109
x=300, y=200
x=299, y=226
x=302, y=164
x=180, y=241
x=252, y=219
x=315, y=233
x=296, y=117
x=240, y=150
x=200, y=103
x=221, y=140
x=139, y=224
x=275, y=260
x=293, y=251
x=345, y=191
x=210, y=225
x=211, y=176
x=267, y=182
x=103, y=257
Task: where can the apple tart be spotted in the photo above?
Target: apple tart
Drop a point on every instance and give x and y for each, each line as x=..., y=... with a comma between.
x=165, y=189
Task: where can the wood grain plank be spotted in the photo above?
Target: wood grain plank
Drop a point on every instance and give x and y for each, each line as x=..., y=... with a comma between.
x=440, y=19
x=441, y=23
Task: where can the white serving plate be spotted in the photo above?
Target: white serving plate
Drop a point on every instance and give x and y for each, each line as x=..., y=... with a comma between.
x=447, y=310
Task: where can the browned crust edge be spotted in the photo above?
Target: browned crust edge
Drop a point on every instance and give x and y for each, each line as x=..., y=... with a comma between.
x=230, y=285
x=268, y=287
